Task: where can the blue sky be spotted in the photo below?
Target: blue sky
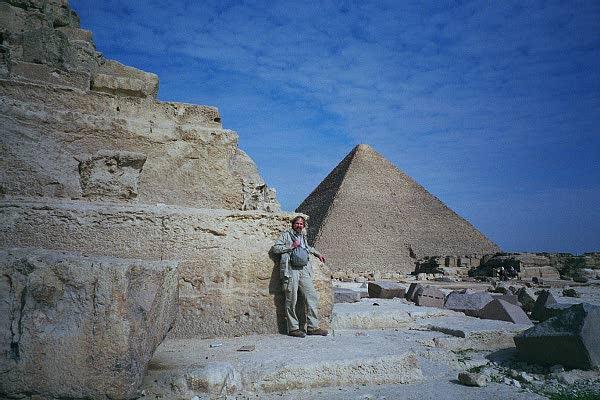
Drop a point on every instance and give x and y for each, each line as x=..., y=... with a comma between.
x=494, y=107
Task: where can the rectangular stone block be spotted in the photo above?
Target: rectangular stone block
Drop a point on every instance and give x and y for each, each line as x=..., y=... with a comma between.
x=386, y=290
x=81, y=327
x=41, y=73
x=429, y=296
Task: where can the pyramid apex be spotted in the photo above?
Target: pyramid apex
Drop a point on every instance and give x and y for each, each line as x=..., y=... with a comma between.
x=363, y=147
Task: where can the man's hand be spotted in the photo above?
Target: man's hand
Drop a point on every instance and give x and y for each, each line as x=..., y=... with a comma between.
x=321, y=258
x=296, y=243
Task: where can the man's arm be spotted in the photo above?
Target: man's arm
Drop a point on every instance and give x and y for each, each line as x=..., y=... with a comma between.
x=281, y=245
x=314, y=252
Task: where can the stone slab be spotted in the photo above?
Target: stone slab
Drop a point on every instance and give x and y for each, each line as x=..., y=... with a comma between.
x=81, y=327
x=504, y=311
x=386, y=290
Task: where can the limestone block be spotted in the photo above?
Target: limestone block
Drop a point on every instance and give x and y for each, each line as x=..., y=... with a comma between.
x=111, y=174
x=469, y=303
x=343, y=295
x=570, y=339
x=45, y=46
x=81, y=327
x=46, y=74
x=76, y=34
x=539, y=272
x=504, y=311
x=121, y=80
x=229, y=285
x=386, y=290
x=430, y=296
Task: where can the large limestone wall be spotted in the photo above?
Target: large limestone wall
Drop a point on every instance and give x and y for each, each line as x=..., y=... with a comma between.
x=228, y=283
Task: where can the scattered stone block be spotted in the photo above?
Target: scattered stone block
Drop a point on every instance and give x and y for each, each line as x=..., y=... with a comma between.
x=527, y=298
x=580, y=279
x=343, y=295
x=510, y=298
x=570, y=339
x=469, y=303
x=386, y=290
x=412, y=291
x=430, y=296
x=544, y=299
x=472, y=379
x=546, y=306
x=504, y=311
x=111, y=174
x=570, y=292
x=81, y=327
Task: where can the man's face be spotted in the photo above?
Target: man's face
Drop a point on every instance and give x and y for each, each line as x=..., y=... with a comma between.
x=298, y=225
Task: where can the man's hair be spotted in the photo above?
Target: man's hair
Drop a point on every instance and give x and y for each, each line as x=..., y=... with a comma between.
x=297, y=218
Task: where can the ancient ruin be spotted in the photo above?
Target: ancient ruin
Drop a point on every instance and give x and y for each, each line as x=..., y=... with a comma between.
x=134, y=258
x=366, y=206
x=104, y=191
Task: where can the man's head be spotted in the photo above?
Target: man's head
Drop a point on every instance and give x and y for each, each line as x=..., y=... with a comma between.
x=298, y=224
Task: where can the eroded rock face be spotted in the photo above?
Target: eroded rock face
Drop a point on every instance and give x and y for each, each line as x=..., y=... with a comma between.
x=111, y=174
x=81, y=327
x=228, y=283
x=62, y=102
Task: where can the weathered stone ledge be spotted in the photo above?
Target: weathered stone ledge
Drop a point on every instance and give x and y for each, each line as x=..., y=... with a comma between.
x=229, y=285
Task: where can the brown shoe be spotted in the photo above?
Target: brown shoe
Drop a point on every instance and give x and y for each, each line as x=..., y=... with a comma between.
x=297, y=333
x=317, y=331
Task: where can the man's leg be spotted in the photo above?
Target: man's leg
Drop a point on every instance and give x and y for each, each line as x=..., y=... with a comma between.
x=291, y=297
x=312, y=299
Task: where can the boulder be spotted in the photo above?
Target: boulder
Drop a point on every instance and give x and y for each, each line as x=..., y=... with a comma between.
x=81, y=327
x=469, y=303
x=386, y=290
x=571, y=339
x=546, y=306
x=343, y=295
x=504, y=311
x=430, y=296
x=472, y=379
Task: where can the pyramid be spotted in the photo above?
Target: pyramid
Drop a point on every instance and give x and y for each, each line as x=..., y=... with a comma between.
x=367, y=215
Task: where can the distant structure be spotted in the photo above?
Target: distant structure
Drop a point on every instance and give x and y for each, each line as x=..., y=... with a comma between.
x=367, y=215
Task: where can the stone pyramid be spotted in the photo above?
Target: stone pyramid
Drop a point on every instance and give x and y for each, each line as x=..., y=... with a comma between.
x=367, y=215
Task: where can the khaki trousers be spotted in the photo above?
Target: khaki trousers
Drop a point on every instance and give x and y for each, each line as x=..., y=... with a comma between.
x=301, y=279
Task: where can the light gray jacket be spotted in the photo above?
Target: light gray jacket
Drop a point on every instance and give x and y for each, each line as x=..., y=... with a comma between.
x=283, y=247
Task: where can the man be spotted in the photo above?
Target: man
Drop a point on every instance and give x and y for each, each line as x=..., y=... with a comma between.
x=292, y=247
